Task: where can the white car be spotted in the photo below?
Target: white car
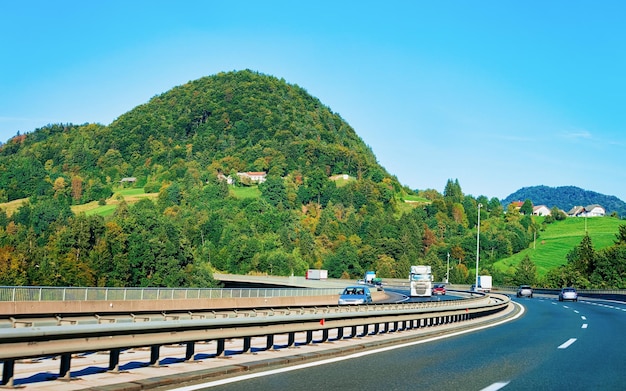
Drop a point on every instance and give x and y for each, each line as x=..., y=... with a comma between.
x=568, y=293
x=525, y=291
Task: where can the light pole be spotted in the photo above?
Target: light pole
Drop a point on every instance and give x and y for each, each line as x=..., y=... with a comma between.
x=448, y=270
x=478, y=244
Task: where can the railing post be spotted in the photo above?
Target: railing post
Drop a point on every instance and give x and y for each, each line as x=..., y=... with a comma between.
x=64, y=372
x=291, y=339
x=220, y=347
x=114, y=360
x=8, y=371
x=190, y=351
x=246, y=344
x=154, y=355
x=270, y=342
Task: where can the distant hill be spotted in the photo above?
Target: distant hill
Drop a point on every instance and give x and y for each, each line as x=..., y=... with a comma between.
x=566, y=197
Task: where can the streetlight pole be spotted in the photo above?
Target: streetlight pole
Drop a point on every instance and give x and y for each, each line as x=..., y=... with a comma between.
x=448, y=270
x=478, y=244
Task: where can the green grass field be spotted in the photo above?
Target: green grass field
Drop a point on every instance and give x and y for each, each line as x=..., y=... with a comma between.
x=552, y=245
x=245, y=192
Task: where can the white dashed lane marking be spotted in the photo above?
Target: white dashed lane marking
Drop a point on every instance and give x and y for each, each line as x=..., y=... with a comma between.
x=566, y=344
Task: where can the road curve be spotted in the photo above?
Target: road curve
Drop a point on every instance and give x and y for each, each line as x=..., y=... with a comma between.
x=554, y=346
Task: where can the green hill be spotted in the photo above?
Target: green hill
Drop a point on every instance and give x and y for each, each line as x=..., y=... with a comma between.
x=552, y=245
x=326, y=202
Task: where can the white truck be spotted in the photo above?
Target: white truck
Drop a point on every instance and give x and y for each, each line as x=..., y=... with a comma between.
x=369, y=277
x=316, y=274
x=484, y=284
x=421, y=281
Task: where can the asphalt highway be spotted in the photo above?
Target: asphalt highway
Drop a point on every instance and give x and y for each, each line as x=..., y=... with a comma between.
x=553, y=346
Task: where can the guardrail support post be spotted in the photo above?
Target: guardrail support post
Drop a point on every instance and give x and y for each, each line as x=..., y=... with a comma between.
x=190, y=350
x=246, y=344
x=353, y=334
x=377, y=328
x=325, y=335
x=309, y=337
x=64, y=372
x=340, y=333
x=269, y=345
x=291, y=339
x=220, y=347
x=154, y=355
x=8, y=371
x=365, y=330
x=114, y=360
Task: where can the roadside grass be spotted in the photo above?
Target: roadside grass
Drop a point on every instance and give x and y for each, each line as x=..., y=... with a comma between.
x=552, y=245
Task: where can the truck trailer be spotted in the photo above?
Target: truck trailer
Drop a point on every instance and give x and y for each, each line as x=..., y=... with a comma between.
x=316, y=274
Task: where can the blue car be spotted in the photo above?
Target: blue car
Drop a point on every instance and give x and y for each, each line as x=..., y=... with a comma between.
x=355, y=295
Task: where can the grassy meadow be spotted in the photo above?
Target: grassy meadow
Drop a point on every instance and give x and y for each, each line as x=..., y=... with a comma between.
x=552, y=245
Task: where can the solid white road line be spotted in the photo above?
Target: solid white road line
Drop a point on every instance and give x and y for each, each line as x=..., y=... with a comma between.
x=567, y=343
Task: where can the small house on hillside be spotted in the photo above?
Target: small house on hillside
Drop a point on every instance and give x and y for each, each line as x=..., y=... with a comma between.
x=594, y=211
x=541, y=210
x=128, y=180
x=224, y=178
x=588, y=211
x=253, y=176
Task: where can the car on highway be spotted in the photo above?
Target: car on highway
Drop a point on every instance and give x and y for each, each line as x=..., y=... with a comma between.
x=355, y=295
x=568, y=293
x=525, y=291
x=439, y=289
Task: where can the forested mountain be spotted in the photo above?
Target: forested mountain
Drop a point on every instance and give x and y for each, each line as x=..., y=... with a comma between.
x=237, y=121
x=566, y=197
x=178, y=143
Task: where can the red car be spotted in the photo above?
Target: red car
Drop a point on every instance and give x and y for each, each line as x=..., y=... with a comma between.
x=439, y=289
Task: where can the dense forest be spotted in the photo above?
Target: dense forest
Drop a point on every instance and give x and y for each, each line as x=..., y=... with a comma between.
x=179, y=144
x=567, y=197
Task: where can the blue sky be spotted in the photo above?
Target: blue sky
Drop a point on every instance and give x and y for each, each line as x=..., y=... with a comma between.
x=497, y=94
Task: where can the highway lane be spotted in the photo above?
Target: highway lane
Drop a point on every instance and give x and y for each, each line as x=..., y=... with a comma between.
x=554, y=346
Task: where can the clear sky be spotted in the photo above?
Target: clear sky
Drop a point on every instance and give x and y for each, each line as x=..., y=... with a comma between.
x=497, y=94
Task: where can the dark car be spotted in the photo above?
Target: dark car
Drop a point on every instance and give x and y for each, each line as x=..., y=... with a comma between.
x=439, y=289
x=568, y=293
x=525, y=291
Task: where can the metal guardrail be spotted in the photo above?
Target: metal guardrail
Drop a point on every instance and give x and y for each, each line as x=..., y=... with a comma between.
x=33, y=293
x=70, y=338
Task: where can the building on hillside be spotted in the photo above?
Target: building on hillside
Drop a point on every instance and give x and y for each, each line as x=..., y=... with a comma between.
x=576, y=211
x=253, y=176
x=588, y=211
x=541, y=210
x=224, y=178
x=594, y=211
x=128, y=180
x=345, y=177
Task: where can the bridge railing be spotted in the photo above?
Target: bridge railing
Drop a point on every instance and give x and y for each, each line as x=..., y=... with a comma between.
x=33, y=293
